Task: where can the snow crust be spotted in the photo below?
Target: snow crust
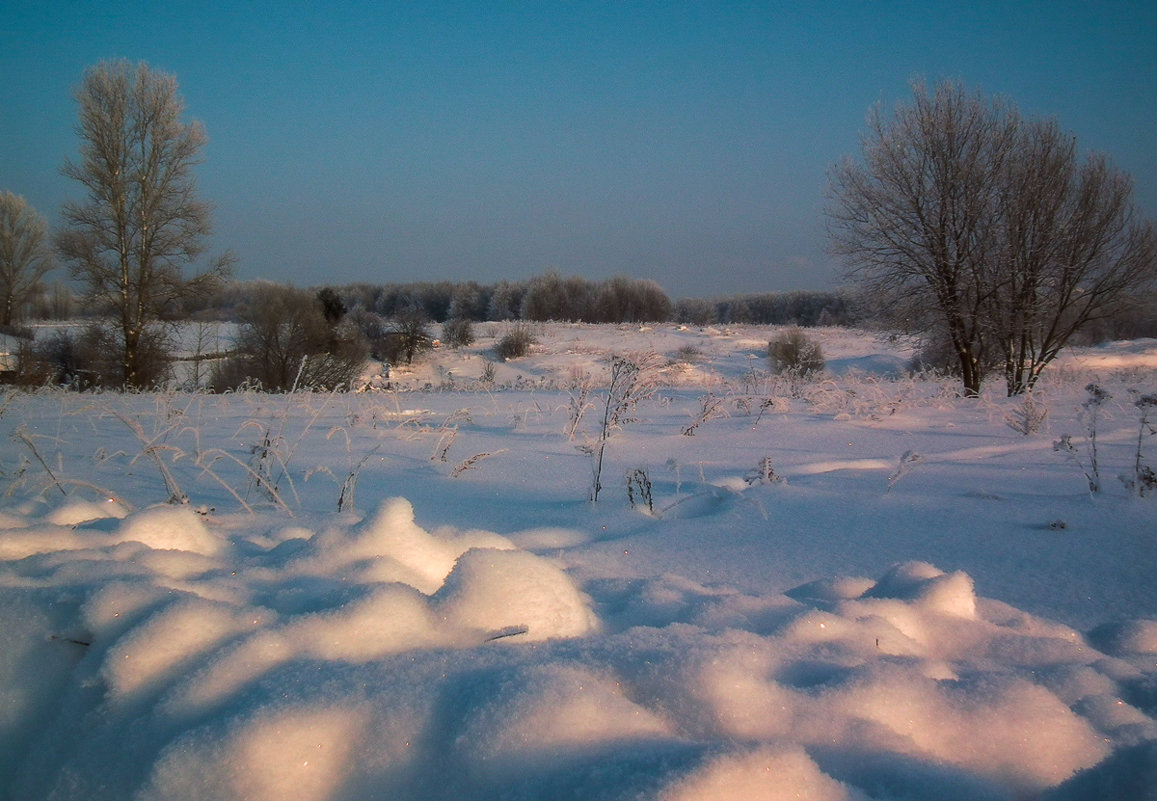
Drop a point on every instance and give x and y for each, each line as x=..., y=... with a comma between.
x=838, y=635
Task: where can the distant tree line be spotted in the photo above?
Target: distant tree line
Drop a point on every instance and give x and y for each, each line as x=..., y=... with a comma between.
x=548, y=296
x=799, y=308
x=551, y=296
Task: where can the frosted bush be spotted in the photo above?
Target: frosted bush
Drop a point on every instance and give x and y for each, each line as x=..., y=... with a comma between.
x=515, y=343
x=796, y=353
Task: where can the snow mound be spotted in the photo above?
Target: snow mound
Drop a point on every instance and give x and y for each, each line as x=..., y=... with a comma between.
x=379, y=659
x=76, y=511
x=762, y=774
x=512, y=590
x=928, y=588
x=390, y=546
x=1128, y=637
x=176, y=528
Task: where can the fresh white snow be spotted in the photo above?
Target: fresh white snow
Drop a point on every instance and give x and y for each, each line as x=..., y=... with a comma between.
x=928, y=604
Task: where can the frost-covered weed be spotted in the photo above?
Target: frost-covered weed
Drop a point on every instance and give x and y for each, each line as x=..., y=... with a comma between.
x=579, y=403
x=446, y=433
x=29, y=441
x=763, y=473
x=1141, y=479
x=348, y=482
x=639, y=489
x=155, y=446
x=907, y=459
x=746, y=403
x=710, y=407
x=1098, y=396
x=276, y=445
x=472, y=462
x=1144, y=479
x=870, y=397
x=632, y=380
x=1029, y=416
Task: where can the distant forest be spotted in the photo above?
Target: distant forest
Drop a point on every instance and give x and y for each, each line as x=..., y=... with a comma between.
x=550, y=296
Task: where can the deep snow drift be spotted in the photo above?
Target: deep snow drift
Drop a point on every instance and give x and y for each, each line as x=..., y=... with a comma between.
x=930, y=605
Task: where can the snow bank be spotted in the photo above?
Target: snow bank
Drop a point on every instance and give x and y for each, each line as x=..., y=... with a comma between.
x=380, y=659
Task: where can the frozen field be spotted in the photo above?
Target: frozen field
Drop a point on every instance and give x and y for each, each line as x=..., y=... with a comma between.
x=855, y=587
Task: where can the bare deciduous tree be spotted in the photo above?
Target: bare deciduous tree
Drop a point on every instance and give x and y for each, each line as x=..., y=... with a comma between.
x=409, y=334
x=1070, y=249
x=141, y=222
x=912, y=220
x=25, y=255
x=964, y=209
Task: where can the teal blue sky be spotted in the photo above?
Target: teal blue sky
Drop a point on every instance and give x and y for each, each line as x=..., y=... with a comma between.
x=685, y=142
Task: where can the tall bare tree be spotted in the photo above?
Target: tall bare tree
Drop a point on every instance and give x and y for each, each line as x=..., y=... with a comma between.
x=963, y=208
x=141, y=222
x=25, y=255
x=912, y=221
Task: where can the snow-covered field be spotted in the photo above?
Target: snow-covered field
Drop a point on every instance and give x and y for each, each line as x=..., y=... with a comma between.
x=406, y=593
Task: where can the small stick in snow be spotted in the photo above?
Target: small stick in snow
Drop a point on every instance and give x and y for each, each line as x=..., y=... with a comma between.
x=508, y=631
x=69, y=639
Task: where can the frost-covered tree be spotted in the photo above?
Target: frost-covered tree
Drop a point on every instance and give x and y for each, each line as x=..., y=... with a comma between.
x=988, y=227
x=141, y=222
x=410, y=332
x=25, y=255
x=505, y=301
x=912, y=220
x=1069, y=250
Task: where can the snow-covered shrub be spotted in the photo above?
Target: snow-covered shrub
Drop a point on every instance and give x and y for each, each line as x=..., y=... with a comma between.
x=286, y=342
x=488, y=374
x=795, y=352
x=515, y=342
x=458, y=333
x=408, y=336
x=937, y=356
x=101, y=362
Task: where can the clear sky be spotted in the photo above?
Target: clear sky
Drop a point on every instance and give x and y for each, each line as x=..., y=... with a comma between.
x=684, y=142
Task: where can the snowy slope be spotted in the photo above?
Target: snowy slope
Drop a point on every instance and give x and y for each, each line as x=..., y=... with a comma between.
x=928, y=605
